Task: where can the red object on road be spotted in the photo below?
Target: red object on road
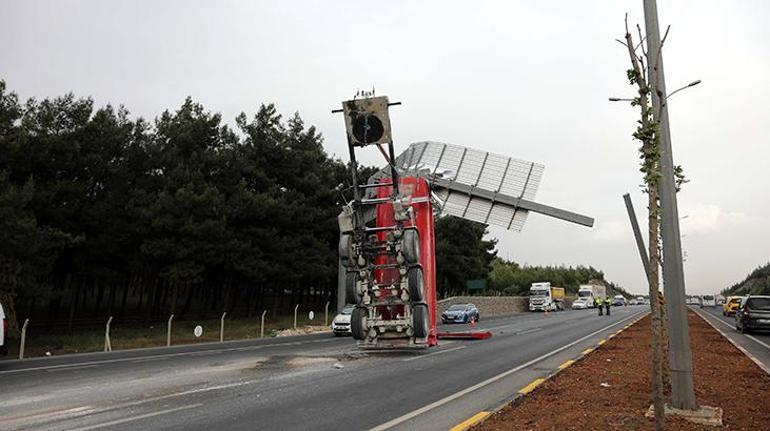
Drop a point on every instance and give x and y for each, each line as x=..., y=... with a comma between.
x=467, y=335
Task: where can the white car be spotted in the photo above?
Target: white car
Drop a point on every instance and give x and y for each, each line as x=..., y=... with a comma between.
x=580, y=304
x=341, y=322
x=3, y=330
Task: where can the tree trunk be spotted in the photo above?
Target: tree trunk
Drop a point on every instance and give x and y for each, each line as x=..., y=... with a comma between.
x=657, y=351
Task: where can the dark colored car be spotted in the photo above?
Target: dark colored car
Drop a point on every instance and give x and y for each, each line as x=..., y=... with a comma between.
x=753, y=314
x=460, y=313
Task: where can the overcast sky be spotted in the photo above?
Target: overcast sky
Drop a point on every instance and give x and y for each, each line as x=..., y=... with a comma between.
x=525, y=79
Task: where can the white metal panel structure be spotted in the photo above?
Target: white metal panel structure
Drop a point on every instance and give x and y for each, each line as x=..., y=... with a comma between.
x=478, y=170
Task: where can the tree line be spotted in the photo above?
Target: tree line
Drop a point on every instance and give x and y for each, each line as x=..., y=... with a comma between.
x=103, y=214
x=756, y=283
x=510, y=278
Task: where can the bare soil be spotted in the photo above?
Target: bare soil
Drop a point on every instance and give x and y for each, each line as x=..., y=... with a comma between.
x=578, y=398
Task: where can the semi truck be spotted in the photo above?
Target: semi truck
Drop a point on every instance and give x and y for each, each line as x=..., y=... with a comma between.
x=544, y=297
x=592, y=292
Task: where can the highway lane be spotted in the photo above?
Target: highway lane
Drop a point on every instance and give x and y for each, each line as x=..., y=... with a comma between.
x=756, y=343
x=293, y=383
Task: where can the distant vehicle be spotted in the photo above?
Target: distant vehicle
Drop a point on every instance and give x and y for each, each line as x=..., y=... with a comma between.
x=460, y=313
x=633, y=301
x=619, y=300
x=544, y=297
x=708, y=301
x=753, y=313
x=591, y=292
x=692, y=300
x=3, y=332
x=582, y=303
x=732, y=303
x=341, y=322
x=721, y=300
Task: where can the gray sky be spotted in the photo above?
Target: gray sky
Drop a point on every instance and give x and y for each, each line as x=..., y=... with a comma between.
x=526, y=79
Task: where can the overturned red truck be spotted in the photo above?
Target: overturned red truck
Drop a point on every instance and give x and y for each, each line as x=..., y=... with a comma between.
x=386, y=231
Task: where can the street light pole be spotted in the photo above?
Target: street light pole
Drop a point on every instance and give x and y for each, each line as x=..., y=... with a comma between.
x=680, y=355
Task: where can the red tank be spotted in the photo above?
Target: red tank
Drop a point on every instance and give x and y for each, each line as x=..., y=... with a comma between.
x=422, y=218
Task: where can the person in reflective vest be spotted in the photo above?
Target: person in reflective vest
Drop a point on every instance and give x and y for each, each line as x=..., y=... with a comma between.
x=607, y=304
x=598, y=304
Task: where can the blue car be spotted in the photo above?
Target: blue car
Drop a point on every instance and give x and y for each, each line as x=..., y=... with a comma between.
x=460, y=313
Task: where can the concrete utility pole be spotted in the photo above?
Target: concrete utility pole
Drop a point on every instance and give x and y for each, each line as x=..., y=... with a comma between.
x=680, y=355
x=637, y=235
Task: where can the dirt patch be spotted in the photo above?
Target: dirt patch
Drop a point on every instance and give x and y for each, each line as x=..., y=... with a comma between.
x=611, y=388
x=304, y=330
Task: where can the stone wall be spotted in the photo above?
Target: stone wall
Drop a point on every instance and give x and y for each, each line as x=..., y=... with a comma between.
x=488, y=305
x=493, y=305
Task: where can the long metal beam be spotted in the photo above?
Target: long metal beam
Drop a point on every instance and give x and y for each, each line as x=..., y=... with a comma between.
x=513, y=202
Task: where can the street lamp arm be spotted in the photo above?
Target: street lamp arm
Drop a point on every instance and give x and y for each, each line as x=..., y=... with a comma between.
x=692, y=84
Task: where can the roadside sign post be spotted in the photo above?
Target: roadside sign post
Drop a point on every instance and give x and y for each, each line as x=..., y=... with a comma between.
x=262, y=325
x=168, y=331
x=326, y=314
x=295, y=316
x=222, y=328
x=23, y=338
x=107, y=342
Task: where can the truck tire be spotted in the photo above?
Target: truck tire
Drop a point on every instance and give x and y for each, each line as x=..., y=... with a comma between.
x=410, y=246
x=358, y=323
x=416, y=284
x=345, y=250
x=420, y=320
x=351, y=288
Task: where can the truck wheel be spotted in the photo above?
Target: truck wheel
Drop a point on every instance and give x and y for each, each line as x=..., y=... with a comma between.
x=416, y=284
x=410, y=246
x=351, y=288
x=420, y=320
x=358, y=323
x=345, y=249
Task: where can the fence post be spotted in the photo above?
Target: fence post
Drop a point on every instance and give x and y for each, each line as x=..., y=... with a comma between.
x=295, y=316
x=222, y=328
x=107, y=342
x=326, y=314
x=168, y=334
x=262, y=325
x=23, y=338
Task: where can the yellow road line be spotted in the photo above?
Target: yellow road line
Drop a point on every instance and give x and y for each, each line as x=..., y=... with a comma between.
x=566, y=364
x=601, y=342
x=587, y=351
x=531, y=387
x=473, y=420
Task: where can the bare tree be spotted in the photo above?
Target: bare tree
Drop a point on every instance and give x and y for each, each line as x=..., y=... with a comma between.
x=648, y=134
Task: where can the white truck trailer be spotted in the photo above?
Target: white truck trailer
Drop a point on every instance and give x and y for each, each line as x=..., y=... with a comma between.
x=591, y=292
x=544, y=297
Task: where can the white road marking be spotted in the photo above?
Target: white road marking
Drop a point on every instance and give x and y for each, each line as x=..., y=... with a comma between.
x=136, y=418
x=759, y=341
x=414, y=358
x=528, y=331
x=493, y=379
x=46, y=416
x=74, y=367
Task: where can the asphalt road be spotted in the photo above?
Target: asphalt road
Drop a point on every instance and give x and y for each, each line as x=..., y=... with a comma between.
x=305, y=382
x=757, y=344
